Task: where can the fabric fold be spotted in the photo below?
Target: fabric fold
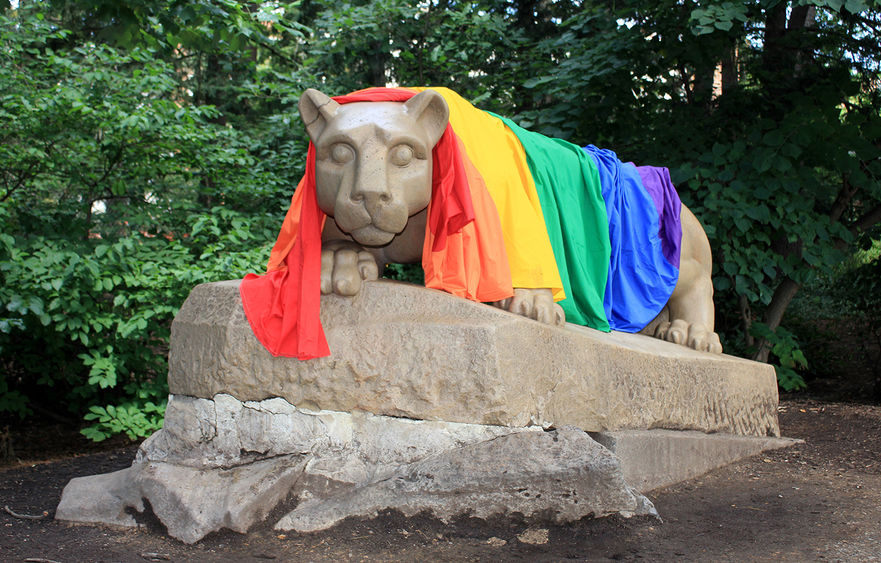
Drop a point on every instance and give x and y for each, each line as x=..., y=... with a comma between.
x=509, y=208
x=282, y=306
x=643, y=268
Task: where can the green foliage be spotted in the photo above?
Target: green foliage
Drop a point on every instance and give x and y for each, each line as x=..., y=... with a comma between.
x=860, y=289
x=410, y=273
x=115, y=199
x=848, y=350
x=136, y=420
x=152, y=145
x=472, y=49
x=91, y=320
x=717, y=17
x=768, y=192
x=767, y=114
x=785, y=348
x=586, y=71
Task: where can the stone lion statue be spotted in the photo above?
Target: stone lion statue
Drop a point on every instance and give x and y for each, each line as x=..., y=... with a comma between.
x=495, y=213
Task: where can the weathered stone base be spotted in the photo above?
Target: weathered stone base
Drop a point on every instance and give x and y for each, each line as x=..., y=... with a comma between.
x=563, y=475
x=191, y=503
x=226, y=464
x=657, y=458
x=221, y=463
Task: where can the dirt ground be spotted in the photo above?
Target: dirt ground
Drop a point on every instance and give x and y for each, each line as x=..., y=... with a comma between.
x=818, y=501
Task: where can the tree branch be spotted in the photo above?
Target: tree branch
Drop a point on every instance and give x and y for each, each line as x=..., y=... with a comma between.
x=277, y=53
x=746, y=316
x=801, y=17
x=689, y=96
x=26, y=175
x=875, y=26
x=112, y=164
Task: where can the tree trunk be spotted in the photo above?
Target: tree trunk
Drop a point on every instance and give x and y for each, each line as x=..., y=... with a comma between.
x=376, y=63
x=783, y=61
x=702, y=86
x=730, y=74
x=783, y=296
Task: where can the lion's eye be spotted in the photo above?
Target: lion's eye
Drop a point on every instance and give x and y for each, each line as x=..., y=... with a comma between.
x=401, y=155
x=342, y=153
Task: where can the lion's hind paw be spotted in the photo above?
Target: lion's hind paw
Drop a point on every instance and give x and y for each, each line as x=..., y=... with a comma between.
x=536, y=304
x=695, y=336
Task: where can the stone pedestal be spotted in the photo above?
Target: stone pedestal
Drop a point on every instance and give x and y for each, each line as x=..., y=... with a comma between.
x=403, y=350
x=428, y=402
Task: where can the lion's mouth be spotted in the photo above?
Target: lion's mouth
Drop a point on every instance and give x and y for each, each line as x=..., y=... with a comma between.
x=371, y=225
x=371, y=235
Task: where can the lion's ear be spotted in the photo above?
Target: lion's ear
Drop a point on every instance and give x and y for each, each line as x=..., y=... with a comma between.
x=316, y=111
x=430, y=110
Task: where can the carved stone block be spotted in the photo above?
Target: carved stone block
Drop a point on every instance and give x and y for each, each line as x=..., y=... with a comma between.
x=402, y=350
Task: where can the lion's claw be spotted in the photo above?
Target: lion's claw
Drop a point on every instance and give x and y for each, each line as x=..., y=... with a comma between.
x=695, y=336
x=536, y=304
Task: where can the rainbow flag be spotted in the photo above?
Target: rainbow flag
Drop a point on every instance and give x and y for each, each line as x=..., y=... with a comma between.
x=509, y=208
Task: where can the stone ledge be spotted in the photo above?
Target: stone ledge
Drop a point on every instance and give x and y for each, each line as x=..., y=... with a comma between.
x=403, y=350
x=562, y=475
x=652, y=459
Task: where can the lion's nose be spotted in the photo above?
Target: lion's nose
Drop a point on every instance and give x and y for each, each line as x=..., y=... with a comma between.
x=371, y=195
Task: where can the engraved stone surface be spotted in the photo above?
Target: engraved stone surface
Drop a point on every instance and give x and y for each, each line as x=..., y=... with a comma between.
x=407, y=351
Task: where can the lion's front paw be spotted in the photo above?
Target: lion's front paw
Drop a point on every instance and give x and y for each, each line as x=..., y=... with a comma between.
x=344, y=265
x=537, y=304
x=695, y=336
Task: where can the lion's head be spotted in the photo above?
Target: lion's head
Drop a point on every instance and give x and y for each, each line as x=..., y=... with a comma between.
x=373, y=160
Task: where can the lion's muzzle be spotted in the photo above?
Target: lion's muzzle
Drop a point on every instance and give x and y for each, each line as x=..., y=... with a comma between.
x=371, y=215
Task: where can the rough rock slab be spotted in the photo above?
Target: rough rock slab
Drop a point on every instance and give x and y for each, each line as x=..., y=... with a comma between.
x=561, y=475
x=195, y=502
x=190, y=502
x=657, y=458
x=222, y=463
x=223, y=432
x=100, y=499
x=407, y=351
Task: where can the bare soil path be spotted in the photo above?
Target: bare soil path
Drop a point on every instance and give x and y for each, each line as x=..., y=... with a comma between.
x=818, y=501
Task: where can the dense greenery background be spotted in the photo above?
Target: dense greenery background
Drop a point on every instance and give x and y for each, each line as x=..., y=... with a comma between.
x=150, y=145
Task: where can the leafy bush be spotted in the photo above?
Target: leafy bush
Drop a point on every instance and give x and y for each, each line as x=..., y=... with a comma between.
x=91, y=320
x=115, y=200
x=783, y=194
x=785, y=348
x=861, y=287
x=150, y=146
x=410, y=273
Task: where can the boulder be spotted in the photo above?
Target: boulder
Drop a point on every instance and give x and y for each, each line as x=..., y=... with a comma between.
x=221, y=463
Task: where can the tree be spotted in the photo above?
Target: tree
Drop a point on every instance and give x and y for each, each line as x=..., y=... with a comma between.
x=154, y=144
x=767, y=113
x=116, y=196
